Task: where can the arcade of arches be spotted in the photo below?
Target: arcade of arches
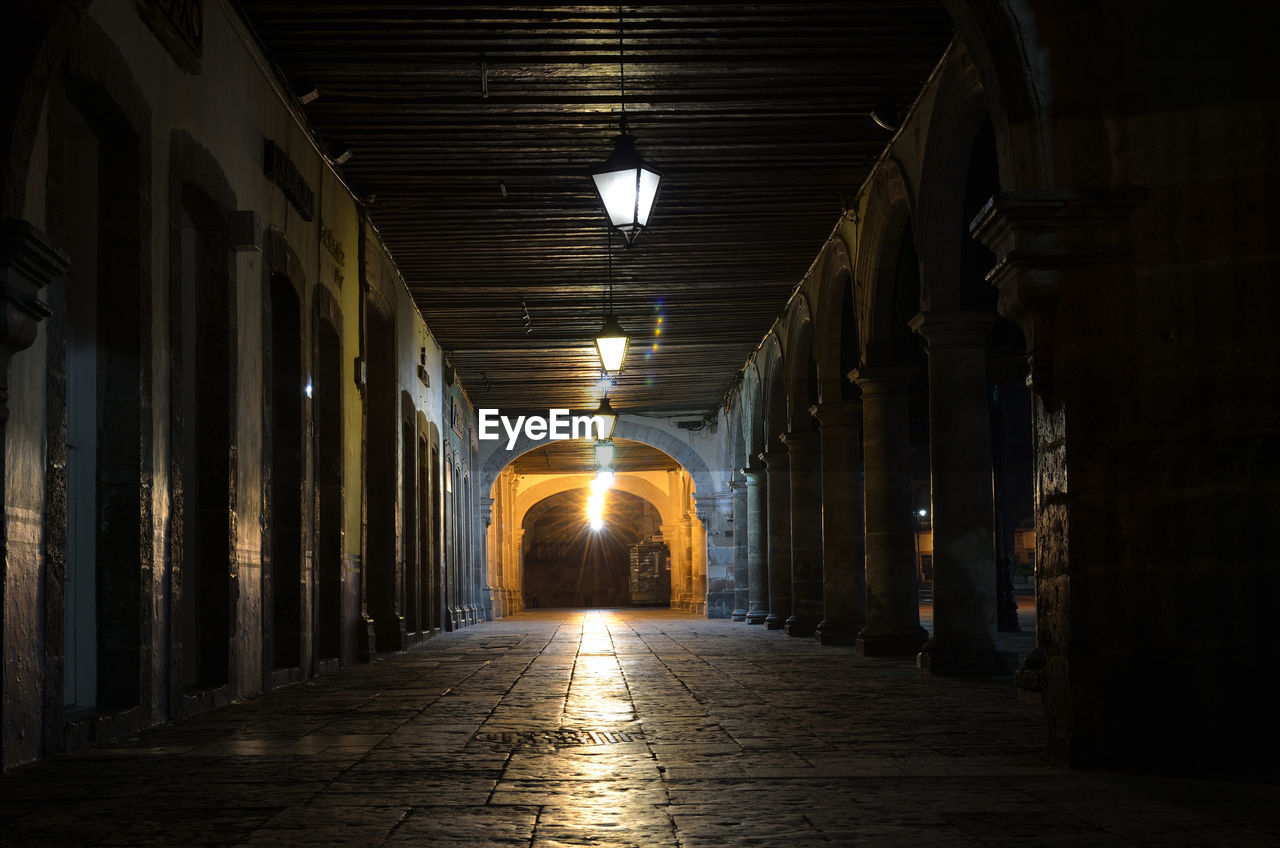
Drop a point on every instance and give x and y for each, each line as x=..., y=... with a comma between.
x=1033, y=363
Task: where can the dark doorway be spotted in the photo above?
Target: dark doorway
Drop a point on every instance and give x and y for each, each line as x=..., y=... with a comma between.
x=106, y=319
x=327, y=406
x=409, y=553
x=437, y=553
x=204, y=434
x=286, y=396
x=380, y=549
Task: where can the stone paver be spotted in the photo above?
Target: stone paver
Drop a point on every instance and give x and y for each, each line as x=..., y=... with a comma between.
x=616, y=728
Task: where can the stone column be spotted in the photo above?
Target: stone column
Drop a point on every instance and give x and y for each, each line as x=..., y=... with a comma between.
x=741, y=553
x=804, y=451
x=674, y=537
x=893, y=608
x=779, y=549
x=844, y=576
x=493, y=555
x=965, y=641
x=757, y=547
x=698, y=562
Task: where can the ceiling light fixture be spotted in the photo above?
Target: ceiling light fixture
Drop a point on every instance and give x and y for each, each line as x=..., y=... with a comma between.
x=604, y=453
x=612, y=340
x=606, y=412
x=626, y=185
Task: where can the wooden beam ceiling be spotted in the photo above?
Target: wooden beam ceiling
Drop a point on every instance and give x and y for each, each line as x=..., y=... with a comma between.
x=473, y=126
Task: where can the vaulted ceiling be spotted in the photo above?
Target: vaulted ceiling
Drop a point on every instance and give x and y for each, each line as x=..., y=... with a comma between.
x=473, y=126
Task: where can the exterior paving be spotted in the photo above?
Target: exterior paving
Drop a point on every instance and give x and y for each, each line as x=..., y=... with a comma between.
x=617, y=728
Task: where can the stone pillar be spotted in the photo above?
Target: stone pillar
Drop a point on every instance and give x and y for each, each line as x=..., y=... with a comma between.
x=493, y=556
x=893, y=607
x=741, y=553
x=698, y=564
x=671, y=533
x=804, y=451
x=757, y=547
x=713, y=556
x=965, y=641
x=844, y=576
x=779, y=549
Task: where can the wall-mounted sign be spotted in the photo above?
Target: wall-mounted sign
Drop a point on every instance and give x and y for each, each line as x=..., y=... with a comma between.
x=280, y=169
x=331, y=244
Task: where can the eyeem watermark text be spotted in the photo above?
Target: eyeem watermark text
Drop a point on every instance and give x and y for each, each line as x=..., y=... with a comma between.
x=556, y=424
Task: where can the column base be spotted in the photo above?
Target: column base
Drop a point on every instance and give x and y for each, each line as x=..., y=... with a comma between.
x=801, y=626
x=833, y=634
x=738, y=615
x=966, y=661
x=1027, y=678
x=774, y=622
x=756, y=617
x=890, y=643
x=367, y=647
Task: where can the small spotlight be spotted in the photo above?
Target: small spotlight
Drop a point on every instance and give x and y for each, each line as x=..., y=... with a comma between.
x=597, y=524
x=339, y=153
x=922, y=513
x=307, y=390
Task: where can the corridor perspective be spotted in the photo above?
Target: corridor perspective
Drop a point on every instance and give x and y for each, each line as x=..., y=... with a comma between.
x=843, y=422
x=644, y=728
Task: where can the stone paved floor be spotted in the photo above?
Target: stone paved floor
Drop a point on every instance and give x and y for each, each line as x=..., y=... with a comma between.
x=636, y=728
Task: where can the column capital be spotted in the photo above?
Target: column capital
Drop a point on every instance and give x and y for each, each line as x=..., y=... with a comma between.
x=752, y=473
x=774, y=459
x=1041, y=236
x=801, y=444
x=951, y=329
x=880, y=380
x=486, y=509
x=837, y=414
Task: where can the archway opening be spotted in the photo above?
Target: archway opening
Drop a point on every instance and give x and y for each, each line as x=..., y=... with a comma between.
x=570, y=563
x=648, y=547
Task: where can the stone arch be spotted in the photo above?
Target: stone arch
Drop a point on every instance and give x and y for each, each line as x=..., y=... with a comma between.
x=1003, y=42
x=629, y=483
x=801, y=371
x=835, y=281
x=955, y=127
x=774, y=391
x=886, y=224
x=627, y=428
x=34, y=42
x=752, y=412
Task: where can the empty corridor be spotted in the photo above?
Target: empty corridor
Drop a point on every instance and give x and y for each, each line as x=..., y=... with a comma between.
x=605, y=728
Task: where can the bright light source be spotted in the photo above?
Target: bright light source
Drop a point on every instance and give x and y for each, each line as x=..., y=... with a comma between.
x=307, y=389
x=922, y=513
x=604, y=479
x=611, y=344
x=597, y=524
x=604, y=454
x=608, y=415
x=627, y=188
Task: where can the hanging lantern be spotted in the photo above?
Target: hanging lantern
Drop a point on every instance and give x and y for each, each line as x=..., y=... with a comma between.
x=625, y=184
x=606, y=413
x=627, y=187
x=611, y=344
x=604, y=453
